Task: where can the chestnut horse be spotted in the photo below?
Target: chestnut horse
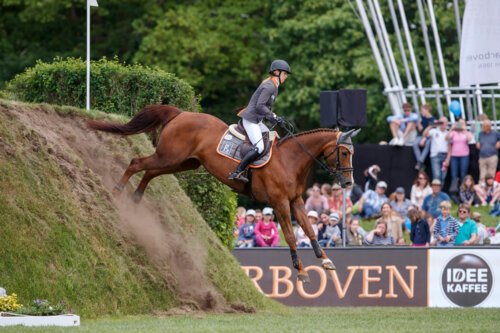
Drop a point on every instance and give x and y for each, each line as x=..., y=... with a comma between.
x=188, y=140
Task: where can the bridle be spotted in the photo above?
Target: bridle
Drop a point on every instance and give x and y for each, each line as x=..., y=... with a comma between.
x=335, y=172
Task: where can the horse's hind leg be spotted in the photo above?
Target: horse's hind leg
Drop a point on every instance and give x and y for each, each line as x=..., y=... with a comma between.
x=150, y=174
x=298, y=209
x=137, y=164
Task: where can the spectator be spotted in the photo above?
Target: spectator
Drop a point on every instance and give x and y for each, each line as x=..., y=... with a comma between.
x=403, y=127
x=329, y=232
x=420, y=231
x=324, y=218
x=240, y=216
x=300, y=235
x=393, y=222
x=246, y=237
x=431, y=222
x=354, y=234
x=379, y=235
x=482, y=233
x=420, y=189
x=258, y=216
x=326, y=191
x=370, y=203
x=467, y=193
x=467, y=233
x=400, y=204
x=488, y=191
x=432, y=201
x=422, y=144
x=446, y=226
x=439, y=148
x=371, y=177
x=335, y=202
x=459, y=138
x=487, y=145
x=266, y=233
x=316, y=201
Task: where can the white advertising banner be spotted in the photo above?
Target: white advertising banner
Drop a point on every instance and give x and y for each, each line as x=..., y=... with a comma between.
x=480, y=46
x=464, y=278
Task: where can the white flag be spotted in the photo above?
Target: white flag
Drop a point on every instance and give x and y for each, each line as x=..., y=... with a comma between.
x=480, y=47
x=93, y=3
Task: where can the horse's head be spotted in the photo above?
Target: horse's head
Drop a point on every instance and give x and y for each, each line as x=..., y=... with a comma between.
x=338, y=156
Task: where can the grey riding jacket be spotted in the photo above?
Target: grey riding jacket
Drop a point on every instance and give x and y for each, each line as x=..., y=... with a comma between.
x=260, y=104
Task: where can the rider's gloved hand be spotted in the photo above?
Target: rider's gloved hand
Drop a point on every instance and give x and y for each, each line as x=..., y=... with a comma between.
x=280, y=121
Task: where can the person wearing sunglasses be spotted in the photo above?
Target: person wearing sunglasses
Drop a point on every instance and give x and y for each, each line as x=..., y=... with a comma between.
x=467, y=234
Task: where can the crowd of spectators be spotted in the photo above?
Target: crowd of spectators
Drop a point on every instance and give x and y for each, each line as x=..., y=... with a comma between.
x=424, y=215
x=423, y=219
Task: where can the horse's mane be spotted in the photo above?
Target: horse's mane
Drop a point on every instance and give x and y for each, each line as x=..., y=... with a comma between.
x=317, y=130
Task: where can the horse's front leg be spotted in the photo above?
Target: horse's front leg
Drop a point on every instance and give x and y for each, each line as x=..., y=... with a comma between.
x=298, y=209
x=282, y=210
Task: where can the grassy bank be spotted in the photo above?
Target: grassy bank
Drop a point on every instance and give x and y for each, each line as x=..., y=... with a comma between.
x=64, y=236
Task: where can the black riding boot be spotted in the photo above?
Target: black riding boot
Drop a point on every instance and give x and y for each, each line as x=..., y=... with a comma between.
x=240, y=169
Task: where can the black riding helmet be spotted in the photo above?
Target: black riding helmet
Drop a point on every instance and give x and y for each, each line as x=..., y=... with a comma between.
x=280, y=65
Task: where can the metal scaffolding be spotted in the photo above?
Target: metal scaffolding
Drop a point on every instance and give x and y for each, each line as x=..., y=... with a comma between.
x=399, y=88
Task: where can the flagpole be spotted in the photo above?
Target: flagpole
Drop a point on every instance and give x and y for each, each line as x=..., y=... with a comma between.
x=88, y=56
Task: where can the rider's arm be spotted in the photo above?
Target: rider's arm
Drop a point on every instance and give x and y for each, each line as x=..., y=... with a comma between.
x=264, y=97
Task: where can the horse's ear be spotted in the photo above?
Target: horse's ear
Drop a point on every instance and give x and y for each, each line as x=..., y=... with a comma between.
x=356, y=132
x=345, y=135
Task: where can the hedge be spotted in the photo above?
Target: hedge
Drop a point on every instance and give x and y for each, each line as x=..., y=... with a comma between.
x=117, y=88
x=214, y=200
x=114, y=88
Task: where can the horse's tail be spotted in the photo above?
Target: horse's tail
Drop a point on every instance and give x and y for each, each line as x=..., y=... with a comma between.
x=147, y=120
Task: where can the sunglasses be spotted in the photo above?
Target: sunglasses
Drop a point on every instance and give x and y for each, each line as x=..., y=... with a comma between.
x=463, y=211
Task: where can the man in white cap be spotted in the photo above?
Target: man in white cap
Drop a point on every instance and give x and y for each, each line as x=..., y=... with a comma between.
x=266, y=233
x=300, y=235
x=371, y=201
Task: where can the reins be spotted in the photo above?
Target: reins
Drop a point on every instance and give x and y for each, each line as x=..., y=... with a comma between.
x=334, y=172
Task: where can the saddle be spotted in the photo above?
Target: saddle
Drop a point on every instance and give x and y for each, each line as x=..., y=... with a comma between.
x=234, y=145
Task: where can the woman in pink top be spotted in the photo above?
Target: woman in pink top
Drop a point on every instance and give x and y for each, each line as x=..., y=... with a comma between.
x=459, y=139
x=266, y=233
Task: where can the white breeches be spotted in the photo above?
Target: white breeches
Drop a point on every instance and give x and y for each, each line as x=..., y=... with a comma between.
x=254, y=132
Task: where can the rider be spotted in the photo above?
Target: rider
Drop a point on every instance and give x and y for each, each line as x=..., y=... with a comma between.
x=258, y=109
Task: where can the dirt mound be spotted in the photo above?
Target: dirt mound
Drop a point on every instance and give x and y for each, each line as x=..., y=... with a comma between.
x=152, y=224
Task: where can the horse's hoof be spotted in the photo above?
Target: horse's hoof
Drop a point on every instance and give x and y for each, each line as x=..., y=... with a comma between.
x=304, y=278
x=117, y=190
x=137, y=197
x=328, y=265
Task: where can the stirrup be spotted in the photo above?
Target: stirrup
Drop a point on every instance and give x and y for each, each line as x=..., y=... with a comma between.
x=235, y=175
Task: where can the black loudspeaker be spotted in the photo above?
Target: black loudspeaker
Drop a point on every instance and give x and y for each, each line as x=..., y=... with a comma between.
x=343, y=108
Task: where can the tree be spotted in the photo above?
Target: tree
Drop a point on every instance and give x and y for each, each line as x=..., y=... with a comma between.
x=217, y=46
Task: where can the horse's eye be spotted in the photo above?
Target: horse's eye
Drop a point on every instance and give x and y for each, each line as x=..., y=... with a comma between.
x=344, y=154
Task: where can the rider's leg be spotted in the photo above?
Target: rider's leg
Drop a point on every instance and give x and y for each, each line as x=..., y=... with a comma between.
x=255, y=135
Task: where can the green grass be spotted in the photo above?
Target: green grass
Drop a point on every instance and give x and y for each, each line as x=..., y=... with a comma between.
x=367, y=320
